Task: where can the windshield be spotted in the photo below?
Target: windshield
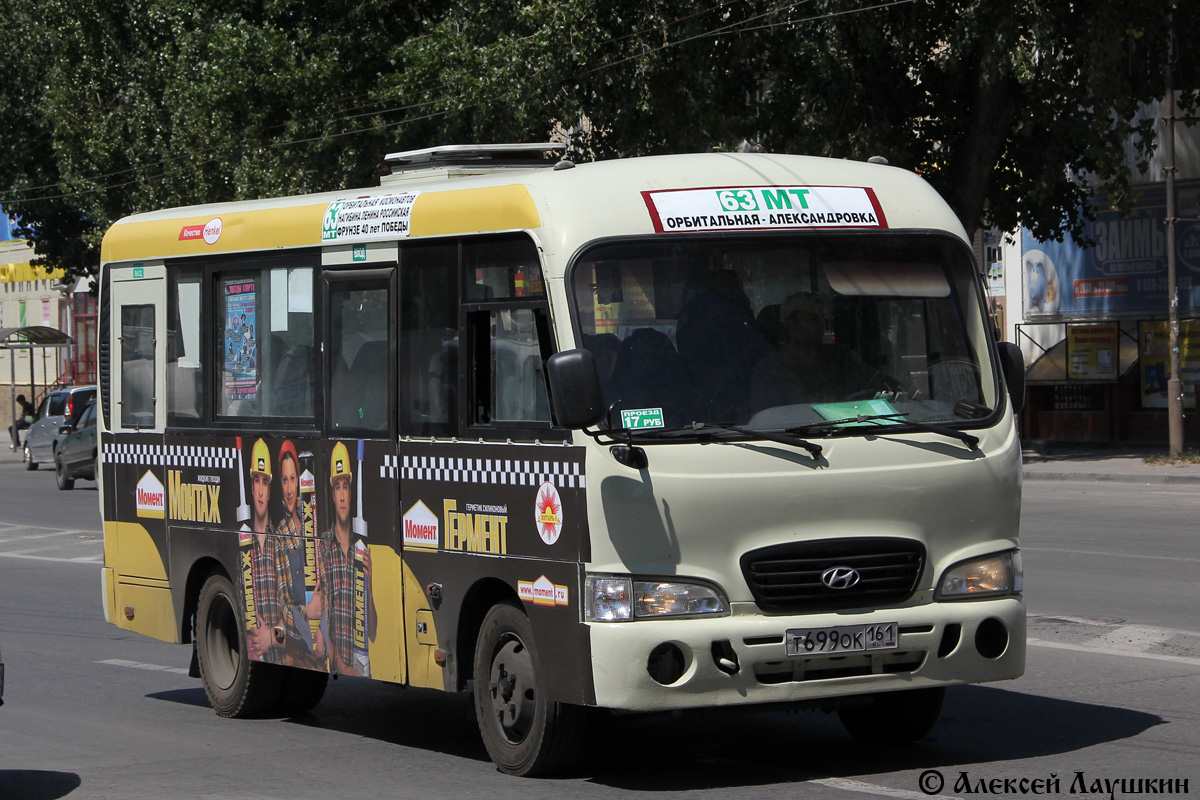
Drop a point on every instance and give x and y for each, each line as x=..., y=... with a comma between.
x=785, y=332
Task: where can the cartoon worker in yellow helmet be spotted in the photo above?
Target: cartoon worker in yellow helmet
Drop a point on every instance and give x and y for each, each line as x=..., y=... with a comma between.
x=260, y=486
x=338, y=564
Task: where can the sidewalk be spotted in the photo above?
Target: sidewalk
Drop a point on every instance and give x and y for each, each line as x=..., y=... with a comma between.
x=1067, y=462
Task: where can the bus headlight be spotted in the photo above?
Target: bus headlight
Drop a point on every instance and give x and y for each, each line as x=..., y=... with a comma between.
x=614, y=599
x=997, y=574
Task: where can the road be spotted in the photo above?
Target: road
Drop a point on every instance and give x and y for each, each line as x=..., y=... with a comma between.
x=1112, y=689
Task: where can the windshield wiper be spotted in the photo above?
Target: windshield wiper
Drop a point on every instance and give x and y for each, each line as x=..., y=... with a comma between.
x=709, y=430
x=893, y=421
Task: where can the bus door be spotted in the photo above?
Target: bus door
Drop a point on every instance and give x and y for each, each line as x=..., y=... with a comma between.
x=135, y=416
x=358, y=475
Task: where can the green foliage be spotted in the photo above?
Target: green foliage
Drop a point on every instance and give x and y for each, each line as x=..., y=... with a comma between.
x=1015, y=111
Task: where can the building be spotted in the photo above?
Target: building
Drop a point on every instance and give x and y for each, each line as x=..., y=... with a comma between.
x=32, y=296
x=1092, y=321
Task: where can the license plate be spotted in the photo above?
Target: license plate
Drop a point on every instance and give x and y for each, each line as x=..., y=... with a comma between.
x=844, y=639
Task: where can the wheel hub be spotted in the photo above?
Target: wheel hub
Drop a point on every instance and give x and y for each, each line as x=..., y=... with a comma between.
x=510, y=687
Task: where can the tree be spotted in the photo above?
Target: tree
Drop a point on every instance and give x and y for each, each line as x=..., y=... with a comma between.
x=131, y=105
x=1015, y=112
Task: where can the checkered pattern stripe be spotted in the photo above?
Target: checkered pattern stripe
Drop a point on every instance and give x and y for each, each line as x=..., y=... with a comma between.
x=390, y=468
x=157, y=455
x=498, y=471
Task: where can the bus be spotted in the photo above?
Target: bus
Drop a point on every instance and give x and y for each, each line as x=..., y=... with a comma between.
x=649, y=434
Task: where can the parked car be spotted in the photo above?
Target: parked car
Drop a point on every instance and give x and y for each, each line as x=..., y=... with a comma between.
x=58, y=406
x=77, y=452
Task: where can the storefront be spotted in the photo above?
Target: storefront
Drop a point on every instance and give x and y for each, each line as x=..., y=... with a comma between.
x=1093, y=323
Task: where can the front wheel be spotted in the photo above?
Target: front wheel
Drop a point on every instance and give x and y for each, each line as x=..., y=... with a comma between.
x=61, y=477
x=894, y=717
x=236, y=685
x=525, y=732
x=27, y=457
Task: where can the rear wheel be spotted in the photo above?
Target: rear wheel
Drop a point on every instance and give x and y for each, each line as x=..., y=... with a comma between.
x=894, y=717
x=525, y=732
x=64, y=480
x=236, y=685
x=27, y=457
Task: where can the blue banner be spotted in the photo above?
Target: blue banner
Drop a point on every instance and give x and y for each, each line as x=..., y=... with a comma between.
x=1125, y=269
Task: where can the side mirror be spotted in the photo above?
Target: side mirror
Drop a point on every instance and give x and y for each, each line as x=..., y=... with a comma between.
x=575, y=389
x=65, y=429
x=1013, y=364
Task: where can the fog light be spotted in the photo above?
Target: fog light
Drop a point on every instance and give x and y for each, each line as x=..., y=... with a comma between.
x=666, y=664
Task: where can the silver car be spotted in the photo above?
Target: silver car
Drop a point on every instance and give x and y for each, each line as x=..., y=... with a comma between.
x=56, y=408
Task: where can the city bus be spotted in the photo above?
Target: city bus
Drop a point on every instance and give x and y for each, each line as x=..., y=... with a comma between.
x=642, y=435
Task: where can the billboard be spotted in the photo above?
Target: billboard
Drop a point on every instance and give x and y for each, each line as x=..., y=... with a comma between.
x=1124, y=271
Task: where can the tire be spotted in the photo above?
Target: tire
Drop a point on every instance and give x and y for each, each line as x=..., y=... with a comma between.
x=525, y=733
x=894, y=717
x=27, y=457
x=236, y=685
x=302, y=690
x=60, y=474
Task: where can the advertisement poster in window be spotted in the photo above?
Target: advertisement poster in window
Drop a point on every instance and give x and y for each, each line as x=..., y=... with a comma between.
x=241, y=357
x=1092, y=352
x=1154, y=361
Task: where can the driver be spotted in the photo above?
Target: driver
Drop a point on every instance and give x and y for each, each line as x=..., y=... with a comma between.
x=805, y=368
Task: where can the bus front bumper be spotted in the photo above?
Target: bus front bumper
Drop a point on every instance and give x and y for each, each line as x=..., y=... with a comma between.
x=656, y=665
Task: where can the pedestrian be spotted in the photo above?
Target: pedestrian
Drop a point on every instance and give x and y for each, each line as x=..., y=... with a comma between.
x=23, y=421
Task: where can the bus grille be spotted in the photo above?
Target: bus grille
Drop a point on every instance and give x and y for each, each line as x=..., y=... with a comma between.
x=787, y=577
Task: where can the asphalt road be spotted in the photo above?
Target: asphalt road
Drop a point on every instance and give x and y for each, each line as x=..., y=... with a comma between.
x=1112, y=690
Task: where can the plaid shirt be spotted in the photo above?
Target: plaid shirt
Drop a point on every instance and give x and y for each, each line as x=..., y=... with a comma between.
x=268, y=563
x=337, y=590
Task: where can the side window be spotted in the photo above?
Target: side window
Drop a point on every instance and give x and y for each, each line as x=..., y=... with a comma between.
x=58, y=405
x=185, y=372
x=429, y=342
x=508, y=325
x=137, y=366
x=517, y=392
x=265, y=341
x=359, y=356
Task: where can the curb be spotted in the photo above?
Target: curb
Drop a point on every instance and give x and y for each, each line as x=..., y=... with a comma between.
x=1110, y=477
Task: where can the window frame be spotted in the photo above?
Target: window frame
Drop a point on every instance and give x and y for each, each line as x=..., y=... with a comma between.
x=475, y=375
x=383, y=272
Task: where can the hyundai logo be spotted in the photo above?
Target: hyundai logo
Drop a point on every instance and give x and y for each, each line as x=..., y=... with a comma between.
x=839, y=577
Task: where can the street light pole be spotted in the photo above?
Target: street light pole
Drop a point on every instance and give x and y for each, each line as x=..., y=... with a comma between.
x=1175, y=383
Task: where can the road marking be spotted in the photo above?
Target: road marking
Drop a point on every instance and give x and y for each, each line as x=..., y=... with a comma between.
x=1095, y=622
x=97, y=559
x=120, y=662
x=1078, y=552
x=1134, y=638
x=49, y=535
x=874, y=788
x=1109, y=651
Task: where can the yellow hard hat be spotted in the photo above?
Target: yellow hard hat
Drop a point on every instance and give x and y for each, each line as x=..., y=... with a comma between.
x=339, y=463
x=260, y=459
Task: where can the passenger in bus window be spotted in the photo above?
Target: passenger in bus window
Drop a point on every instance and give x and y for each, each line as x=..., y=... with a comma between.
x=268, y=562
x=805, y=368
x=337, y=559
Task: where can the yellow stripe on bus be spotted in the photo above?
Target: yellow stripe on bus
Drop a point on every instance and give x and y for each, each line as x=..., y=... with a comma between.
x=497, y=208
x=261, y=229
